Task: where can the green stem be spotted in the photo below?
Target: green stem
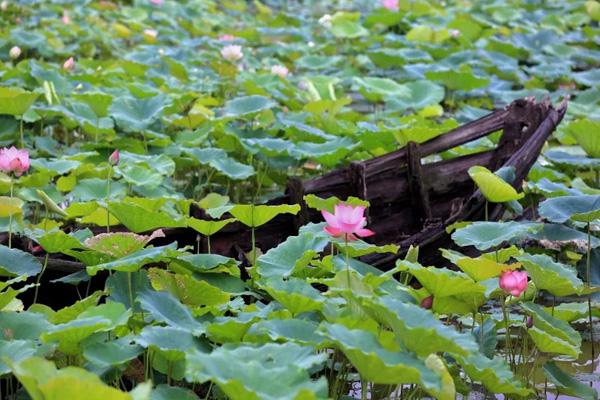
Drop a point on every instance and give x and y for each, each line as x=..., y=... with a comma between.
x=208, y=244
x=253, y=247
x=10, y=218
x=507, y=328
x=209, y=389
x=130, y=290
x=363, y=389
x=347, y=262
x=108, y=177
x=39, y=278
x=21, y=133
x=588, y=272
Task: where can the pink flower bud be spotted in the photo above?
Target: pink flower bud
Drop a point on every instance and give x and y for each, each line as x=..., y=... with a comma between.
x=529, y=323
x=427, y=302
x=113, y=159
x=514, y=282
x=65, y=18
x=69, y=64
x=15, y=52
x=227, y=37
x=391, y=5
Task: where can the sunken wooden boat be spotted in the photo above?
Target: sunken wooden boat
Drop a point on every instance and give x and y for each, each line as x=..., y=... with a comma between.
x=413, y=201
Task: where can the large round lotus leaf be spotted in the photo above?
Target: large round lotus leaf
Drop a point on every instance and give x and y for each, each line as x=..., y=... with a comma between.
x=375, y=89
x=422, y=94
x=485, y=235
x=247, y=105
x=587, y=134
x=582, y=208
x=493, y=188
x=565, y=383
x=15, y=101
x=15, y=262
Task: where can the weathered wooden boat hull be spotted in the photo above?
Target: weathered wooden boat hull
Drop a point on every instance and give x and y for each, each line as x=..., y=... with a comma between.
x=413, y=202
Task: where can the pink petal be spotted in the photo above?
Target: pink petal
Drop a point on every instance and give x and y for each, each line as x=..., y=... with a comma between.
x=364, y=232
x=358, y=213
x=332, y=231
x=331, y=219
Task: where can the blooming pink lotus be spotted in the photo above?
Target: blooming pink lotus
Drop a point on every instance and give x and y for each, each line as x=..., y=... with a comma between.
x=113, y=159
x=280, y=70
x=513, y=282
x=391, y=5
x=14, y=160
x=69, y=64
x=65, y=18
x=232, y=53
x=347, y=221
x=156, y=2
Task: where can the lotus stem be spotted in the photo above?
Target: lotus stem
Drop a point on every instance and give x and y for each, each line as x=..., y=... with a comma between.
x=347, y=262
x=108, y=177
x=507, y=329
x=130, y=290
x=10, y=218
x=588, y=272
x=39, y=278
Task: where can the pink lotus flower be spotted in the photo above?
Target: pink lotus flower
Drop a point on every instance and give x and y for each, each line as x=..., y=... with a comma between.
x=346, y=221
x=69, y=64
x=156, y=2
x=232, y=53
x=279, y=70
x=227, y=37
x=513, y=282
x=391, y=5
x=113, y=159
x=14, y=160
x=65, y=18
x=151, y=34
x=14, y=52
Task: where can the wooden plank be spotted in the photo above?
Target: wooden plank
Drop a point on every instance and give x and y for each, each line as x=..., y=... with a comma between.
x=295, y=192
x=417, y=185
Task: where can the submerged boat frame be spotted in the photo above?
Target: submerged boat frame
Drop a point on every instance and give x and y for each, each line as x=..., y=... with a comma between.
x=412, y=202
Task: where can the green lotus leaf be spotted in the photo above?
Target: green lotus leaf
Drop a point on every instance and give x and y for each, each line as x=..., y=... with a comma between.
x=255, y=216
x=16, y=101
x=480, y=268
x=294, y=294
x=164, y=307
x=377, y=364
x=209, y=263
x=219, y=160
x=292, y=255
x=139, y=219
x=556, y=278
x=568, y=385
x=422, y=94
x=418, y=329
x=583, y=208
x=485, y=235
x=460, y=79
x=187, y=289
x=375, y=89
x=570, y=312
x=246, y=105
x=15, y=351
x=10, y=206
x=111, y=353
x=15, y=262
x=172, y=342
x=585, y=131
x=494, y=374
x=329, y=203
x=71, y=312
x=58, y=241
x=290, y=330
x=207, y=227
x=102, y=318
x=166, y=392
x=241, y=372
x=134, y=114
x=493, y=188
x=552, y=335
x=138, y=259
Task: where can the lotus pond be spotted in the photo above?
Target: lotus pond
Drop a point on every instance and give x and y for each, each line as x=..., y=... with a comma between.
x=133, y=131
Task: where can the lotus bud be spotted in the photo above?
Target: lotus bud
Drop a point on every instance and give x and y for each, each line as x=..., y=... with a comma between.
x=69, y=64
x=392, y=5
x=427, y=302
x=15, y=52
x=113, y=159
x=529, y=323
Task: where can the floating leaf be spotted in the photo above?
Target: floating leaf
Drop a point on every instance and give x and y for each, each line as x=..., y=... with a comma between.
x=494, y=188
x=242, y=106
x=15, y=262
x=485, y=235
x=583, y=208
